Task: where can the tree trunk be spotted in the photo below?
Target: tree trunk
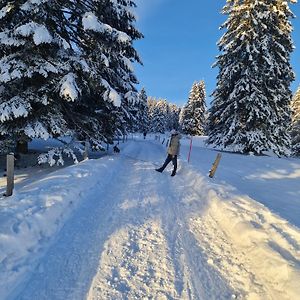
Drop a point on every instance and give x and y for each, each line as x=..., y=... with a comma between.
x=22, y=147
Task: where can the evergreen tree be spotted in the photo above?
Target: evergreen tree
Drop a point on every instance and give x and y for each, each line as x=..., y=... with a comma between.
x=296, y=123
x=142, y=112
x=250, y=110
x=107, y=42
x=159, y=119
x=193, y=113
x=162, y=115
x=34, y=70
x=174, y=112
x=151, y=106
x=65, y=68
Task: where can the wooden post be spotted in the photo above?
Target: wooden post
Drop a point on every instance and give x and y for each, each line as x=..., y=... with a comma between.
x=10, y=174
x=215, y=166
x=191, y=144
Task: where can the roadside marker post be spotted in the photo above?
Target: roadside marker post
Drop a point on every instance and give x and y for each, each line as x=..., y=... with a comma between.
x=10, y=164
x=191, y=145
x=214, y=167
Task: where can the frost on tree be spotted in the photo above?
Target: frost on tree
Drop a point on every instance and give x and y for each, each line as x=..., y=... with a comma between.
x=296, y=123
x=192, y=118
x=31, y=68
x=110, y=29
x=163, y=116
x=250, y=110
x=142, y=118
x=66, y=68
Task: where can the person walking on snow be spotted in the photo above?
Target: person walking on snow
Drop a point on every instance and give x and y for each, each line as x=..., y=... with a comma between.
x=173, y=152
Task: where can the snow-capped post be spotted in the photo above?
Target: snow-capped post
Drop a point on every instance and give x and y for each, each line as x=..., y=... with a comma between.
x=10, y=161
x=191, y=145
x=215, y=166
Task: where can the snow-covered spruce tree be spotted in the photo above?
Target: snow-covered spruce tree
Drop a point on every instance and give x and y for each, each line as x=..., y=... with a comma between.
x=151, y=102
x=193, y=113
x=142, y=118
x=104, y=33
x=162, y=115
x=112, y=23
x=173, y=120
x=56, y=78
x=250, y=110
x=33, y=65
x=296, y=123
x=159, y=119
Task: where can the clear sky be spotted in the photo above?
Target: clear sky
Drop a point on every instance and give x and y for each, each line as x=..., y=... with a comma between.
x=180, y=46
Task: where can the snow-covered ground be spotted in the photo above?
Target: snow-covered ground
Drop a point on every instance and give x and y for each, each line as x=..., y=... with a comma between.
x=113, y=228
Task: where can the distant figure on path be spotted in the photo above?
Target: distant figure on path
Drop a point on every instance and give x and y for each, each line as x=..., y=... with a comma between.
x=116, y=149
x=173, y=152
x=144, y=134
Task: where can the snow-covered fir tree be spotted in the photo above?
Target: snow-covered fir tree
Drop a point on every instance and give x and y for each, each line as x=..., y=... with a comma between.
x=250, y=110
x=173, y=120
x=34, y=70
x=163, y=116
x=296, y=123
x=107, y=42
x=65, y=68
x=159, y=120
x=142, y=118
x=192, y=118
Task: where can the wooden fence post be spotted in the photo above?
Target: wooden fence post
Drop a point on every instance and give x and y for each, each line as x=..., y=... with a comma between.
x=10, y=162
x=191, y=145
x=215, y=166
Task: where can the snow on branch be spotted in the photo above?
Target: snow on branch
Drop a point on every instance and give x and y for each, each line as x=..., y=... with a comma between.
x=6, y=39
x=6, y=9
x=132, y=97
x=14, y=108
x=69, y=89
x=37, y=130
x=29, y=5
x=39, y=32
x=111, y=94
x=55, y=156
x=91, y=22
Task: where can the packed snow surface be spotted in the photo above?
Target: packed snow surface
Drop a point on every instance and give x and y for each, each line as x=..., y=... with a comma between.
x=113, y=228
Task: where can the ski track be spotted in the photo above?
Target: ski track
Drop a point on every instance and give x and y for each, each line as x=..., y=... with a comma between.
x=146, y=235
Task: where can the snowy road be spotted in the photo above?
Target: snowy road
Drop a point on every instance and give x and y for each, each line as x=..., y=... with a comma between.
x=139, y=234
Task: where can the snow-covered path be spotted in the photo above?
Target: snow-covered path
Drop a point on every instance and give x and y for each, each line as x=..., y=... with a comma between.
x=139, y=234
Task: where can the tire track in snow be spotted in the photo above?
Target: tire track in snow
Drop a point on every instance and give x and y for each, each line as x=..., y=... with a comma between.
x=196, y=279
x=254, y=249
x=160, y=238
x=66, y=270
x=135, y=263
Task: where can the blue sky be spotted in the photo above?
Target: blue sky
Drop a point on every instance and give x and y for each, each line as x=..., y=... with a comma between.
x=180, y=46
